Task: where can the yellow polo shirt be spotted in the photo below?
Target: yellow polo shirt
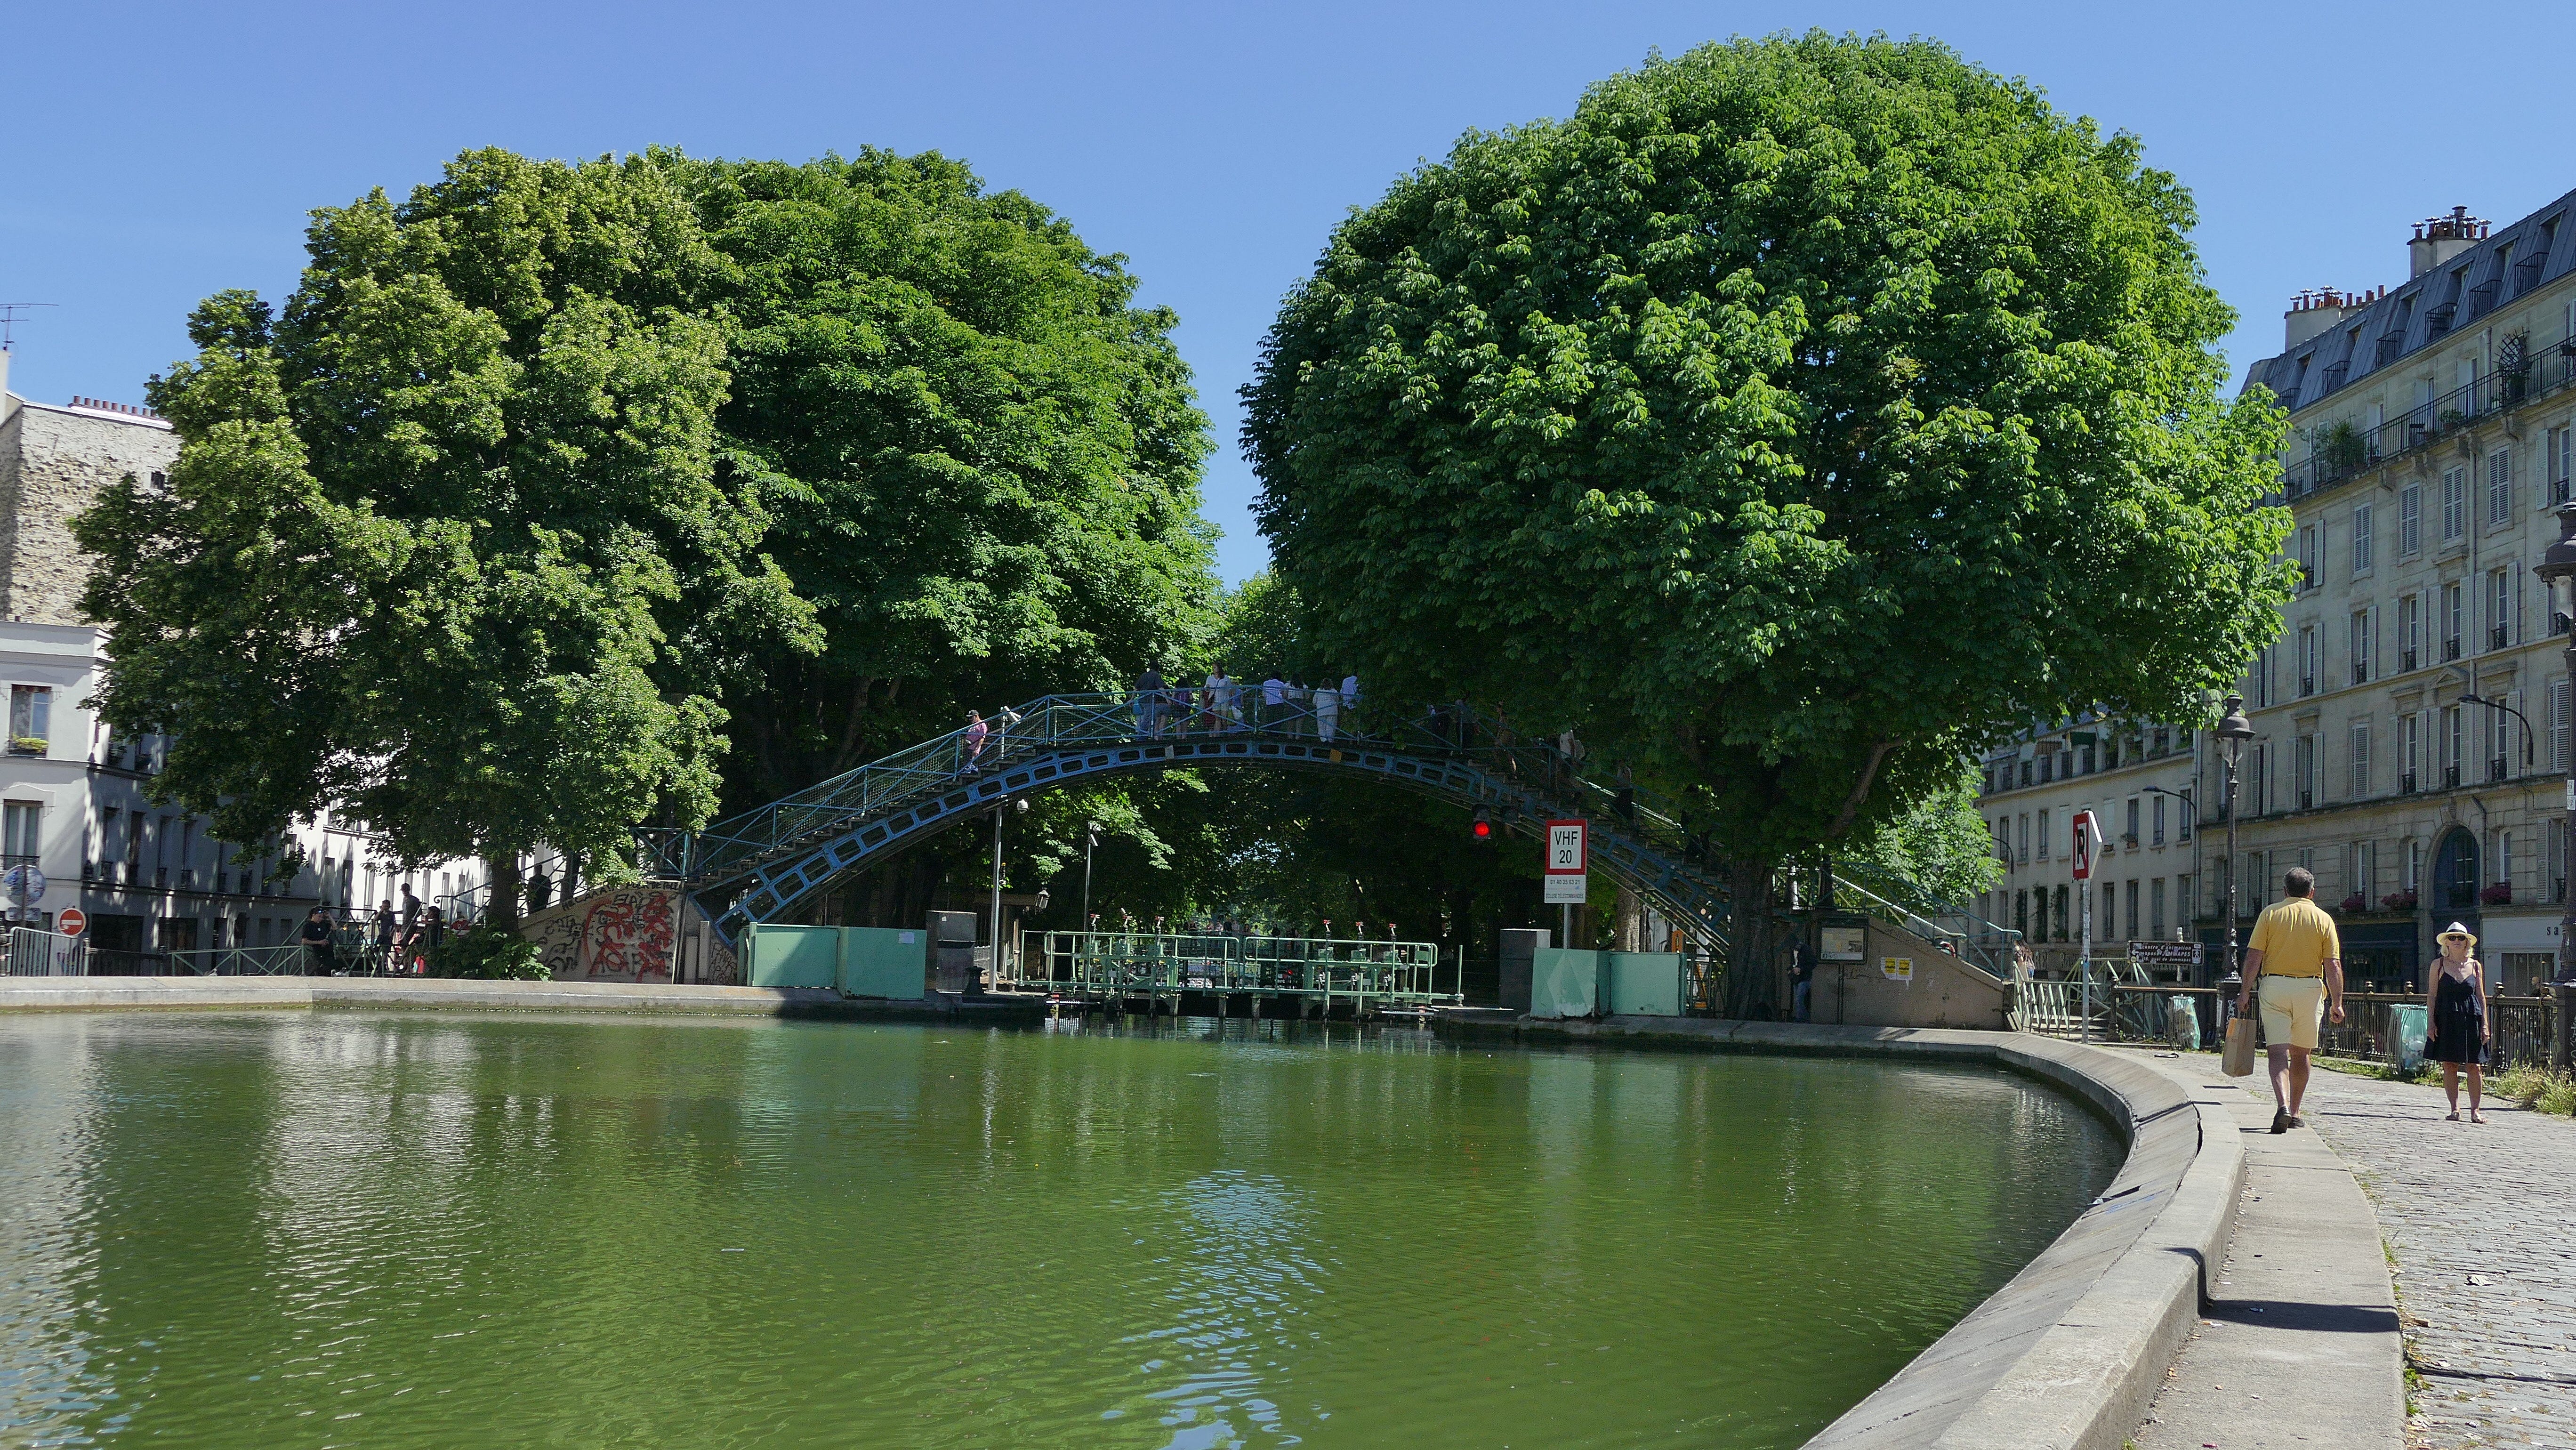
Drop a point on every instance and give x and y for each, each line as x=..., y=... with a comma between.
x=2296, y=937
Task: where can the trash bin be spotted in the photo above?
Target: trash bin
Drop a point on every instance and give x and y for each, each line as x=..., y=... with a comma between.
x=2406, y=1026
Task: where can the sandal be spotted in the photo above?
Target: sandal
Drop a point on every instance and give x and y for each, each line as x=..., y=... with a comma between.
x=2452, y=1116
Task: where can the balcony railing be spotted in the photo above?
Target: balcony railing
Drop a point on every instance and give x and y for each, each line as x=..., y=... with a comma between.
x=2407, y=661
x=2450, y=777
x=2406, y=783
x=2361, y=672
x=2340, y=453
x=2450, y=650
x=2496, y=636
x=2496, y=769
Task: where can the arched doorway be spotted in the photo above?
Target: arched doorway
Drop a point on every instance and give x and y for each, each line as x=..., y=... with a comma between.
x=2455, y=878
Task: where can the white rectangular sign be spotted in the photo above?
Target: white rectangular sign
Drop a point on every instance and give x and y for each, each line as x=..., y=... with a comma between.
x=1568, y=865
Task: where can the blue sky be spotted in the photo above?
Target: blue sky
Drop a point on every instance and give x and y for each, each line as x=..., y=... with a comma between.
x=159, y=152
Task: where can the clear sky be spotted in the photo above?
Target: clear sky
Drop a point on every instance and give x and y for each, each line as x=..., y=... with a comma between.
x=156, y=153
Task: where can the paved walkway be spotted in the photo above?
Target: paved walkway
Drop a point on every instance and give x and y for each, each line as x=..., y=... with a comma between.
x=2297, y=1348
x=2482, y=1221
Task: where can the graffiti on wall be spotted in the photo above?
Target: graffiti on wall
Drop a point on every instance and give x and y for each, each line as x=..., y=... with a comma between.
x=627, y=936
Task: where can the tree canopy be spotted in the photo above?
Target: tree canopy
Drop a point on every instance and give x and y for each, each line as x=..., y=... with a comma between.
x=1797, y=416
x=983, y=457
x=445, y=547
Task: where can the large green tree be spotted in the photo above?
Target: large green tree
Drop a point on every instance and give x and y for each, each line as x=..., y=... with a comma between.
x=983, y=456
x=445, y=547
x=1796, y=416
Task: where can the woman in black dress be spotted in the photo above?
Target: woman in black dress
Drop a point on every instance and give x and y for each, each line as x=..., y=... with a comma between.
x=2455, y=1018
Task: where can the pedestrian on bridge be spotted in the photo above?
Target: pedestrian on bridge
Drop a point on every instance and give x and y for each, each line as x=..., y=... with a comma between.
x=1149, y=702
x=1225, y=698
x=2297, y=958
x=1328, y=711
x=1351, y=702
x=976, y=730
x=2455, y=1014
x=1274, y=699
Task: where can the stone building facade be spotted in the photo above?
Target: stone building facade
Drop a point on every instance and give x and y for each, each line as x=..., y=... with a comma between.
x=2412, y=721
x=2137, y=780
x=74, y=797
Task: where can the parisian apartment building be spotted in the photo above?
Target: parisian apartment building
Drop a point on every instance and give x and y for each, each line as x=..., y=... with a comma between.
x=2411, y=723
x=2136, y=779
x=74, y=796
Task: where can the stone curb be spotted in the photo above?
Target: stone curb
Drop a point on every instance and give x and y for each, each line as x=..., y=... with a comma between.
x=2069, y=1354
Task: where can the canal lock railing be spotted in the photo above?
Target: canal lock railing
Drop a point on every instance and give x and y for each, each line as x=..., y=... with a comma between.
x=1159, y=969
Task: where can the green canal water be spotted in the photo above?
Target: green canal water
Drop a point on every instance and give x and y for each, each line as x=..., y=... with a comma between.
x=327, y=1229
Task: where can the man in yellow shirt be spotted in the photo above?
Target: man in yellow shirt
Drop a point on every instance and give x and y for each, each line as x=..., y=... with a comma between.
x=2298, y=960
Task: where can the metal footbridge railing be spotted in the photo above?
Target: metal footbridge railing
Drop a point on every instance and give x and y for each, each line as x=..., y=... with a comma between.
x=758, y=865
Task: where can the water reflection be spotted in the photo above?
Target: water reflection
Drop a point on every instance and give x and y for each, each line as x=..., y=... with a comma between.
x=341, y=1229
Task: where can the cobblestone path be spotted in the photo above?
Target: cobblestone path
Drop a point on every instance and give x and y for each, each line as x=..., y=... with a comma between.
x=2482, y=1220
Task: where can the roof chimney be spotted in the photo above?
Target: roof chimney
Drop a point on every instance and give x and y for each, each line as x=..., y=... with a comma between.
x=2319, y=308
x=2439, y=239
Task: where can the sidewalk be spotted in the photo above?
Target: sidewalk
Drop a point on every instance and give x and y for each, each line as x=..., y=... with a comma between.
x=2482, y=1223
x=2299, y=1345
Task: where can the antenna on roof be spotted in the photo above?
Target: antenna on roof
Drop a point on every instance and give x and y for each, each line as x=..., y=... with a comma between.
x=9, y=320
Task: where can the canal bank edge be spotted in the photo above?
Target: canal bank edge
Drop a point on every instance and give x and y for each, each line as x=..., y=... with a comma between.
x=74, y=994
x=2069, y=1354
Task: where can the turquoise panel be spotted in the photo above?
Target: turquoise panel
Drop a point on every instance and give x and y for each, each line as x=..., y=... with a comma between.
x=1646, y=984
x=790, y=956
x=881, y=961
x=1565, y=983
x=2406, y=1028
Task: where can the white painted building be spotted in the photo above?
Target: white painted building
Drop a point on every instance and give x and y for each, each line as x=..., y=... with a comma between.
x=2137, y=780
x=74, y=800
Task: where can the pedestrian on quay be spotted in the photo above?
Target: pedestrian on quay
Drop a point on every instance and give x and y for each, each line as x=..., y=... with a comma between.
x=2296, y=958
x=976, y=732
x=1802, y=978
x=321, y=958
x=2455, y=1017
x=384, y=937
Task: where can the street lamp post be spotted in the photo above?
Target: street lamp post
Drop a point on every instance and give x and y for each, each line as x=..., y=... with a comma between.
x=2557, y=571
x=2233, y=731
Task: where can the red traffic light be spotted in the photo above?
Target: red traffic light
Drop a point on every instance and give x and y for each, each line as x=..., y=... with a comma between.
x=1483, y=829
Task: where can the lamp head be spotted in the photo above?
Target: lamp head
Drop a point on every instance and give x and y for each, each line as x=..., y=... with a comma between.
x=2233, y=725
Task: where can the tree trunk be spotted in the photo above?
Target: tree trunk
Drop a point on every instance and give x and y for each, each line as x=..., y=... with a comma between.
x=1751, y=992
x=1630, y=933
x=502, y=908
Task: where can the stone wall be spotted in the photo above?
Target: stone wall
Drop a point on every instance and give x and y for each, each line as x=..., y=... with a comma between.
x=53, y=462
x=624, y=934
x=1908, y=982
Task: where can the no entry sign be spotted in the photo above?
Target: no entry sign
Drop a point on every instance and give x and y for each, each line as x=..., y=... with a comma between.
x=72, y=921
x=1569, y=868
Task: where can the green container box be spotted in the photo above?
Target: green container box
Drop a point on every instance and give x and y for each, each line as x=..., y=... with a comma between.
x=791, y=956
x=884, y=962
x=1645, y=984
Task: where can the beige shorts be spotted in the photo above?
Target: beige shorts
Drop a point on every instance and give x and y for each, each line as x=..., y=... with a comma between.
x=2292, y=1007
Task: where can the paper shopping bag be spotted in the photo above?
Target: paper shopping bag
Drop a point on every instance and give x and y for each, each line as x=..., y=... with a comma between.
x=2238, y=1060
